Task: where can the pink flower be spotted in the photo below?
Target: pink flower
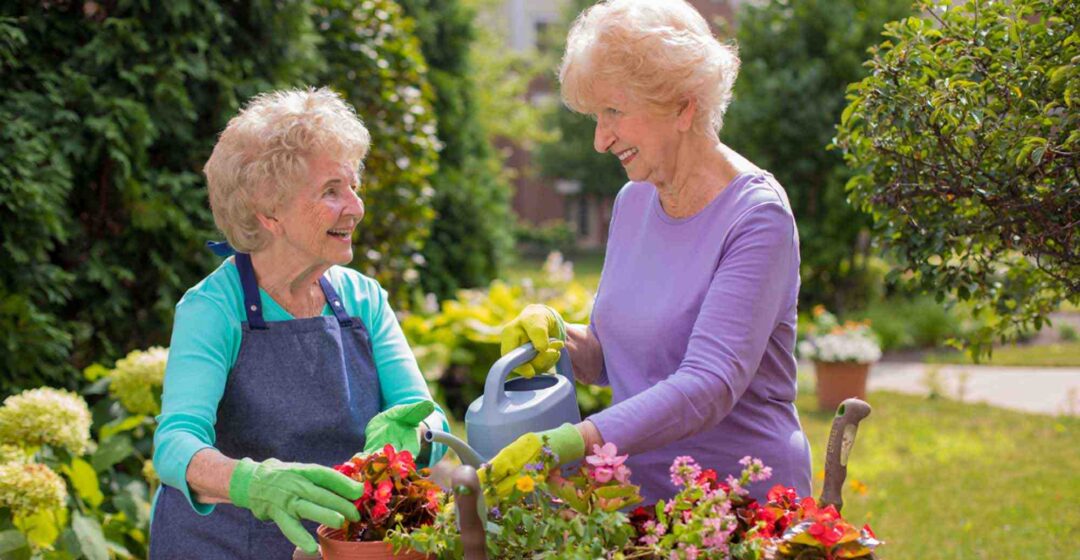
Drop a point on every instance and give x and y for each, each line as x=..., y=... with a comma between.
x=605, y=463
x=684, y=471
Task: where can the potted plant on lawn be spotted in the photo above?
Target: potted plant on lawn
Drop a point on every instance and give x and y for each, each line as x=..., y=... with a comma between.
x=396, y=496
x=842, y=355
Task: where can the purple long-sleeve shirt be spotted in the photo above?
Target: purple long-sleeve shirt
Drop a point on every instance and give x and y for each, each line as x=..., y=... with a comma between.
x=696, y=318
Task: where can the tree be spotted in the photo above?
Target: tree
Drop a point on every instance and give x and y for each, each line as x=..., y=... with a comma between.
x=797, y=60
x=471, y=234
x=966, y=139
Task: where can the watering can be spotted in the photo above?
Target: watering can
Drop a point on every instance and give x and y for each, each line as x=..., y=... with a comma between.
x=510, y=409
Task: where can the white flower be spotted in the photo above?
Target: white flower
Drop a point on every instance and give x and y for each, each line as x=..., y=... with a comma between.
x=137, y=378
x=848, y=344
x=26, y=488
x=46, y=416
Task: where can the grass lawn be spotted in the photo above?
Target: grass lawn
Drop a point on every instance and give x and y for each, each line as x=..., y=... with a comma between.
x=1063, y=354
x=947, y=480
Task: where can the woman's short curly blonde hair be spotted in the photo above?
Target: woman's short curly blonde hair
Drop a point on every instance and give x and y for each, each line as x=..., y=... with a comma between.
x=262, y=156
x=661, y=51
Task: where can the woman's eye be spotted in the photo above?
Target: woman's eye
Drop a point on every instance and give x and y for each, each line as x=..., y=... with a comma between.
x=330, y=192
x=611, y=111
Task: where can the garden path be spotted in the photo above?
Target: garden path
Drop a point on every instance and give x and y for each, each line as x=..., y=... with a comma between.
x=1040, y=390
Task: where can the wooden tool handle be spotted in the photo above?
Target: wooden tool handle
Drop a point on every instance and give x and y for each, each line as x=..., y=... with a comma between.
x=841, y=439
x=470, y=521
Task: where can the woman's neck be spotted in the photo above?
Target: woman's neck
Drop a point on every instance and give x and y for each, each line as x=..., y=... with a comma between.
x=703, y=167
x=292, y=281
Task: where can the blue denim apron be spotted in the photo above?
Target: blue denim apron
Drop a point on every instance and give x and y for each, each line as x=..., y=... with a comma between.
x=301, y=391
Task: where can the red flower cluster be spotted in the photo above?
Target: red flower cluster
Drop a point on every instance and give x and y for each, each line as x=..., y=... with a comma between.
x=395, y=494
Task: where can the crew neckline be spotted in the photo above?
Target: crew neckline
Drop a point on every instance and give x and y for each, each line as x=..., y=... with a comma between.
x=735, y=182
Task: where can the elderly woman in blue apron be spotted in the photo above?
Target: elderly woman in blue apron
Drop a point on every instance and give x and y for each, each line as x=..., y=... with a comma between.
x=282, y=361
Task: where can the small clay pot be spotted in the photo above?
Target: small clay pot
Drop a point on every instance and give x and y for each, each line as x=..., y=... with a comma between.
x=837, y=381
x=334, y=548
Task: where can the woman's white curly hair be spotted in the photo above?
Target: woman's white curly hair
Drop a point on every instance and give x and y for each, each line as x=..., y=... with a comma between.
x=661, y=52
x=262, y=156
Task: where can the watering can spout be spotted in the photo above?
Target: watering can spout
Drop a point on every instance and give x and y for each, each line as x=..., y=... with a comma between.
x=467, y=454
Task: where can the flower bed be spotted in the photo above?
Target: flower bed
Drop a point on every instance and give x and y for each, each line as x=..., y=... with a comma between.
x=582, y=516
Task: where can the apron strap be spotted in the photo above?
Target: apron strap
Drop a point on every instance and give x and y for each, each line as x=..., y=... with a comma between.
x=220, y=248
x=252, y=302
x=336, y=306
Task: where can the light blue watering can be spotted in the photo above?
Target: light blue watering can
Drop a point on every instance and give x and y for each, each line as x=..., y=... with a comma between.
x=510, y=409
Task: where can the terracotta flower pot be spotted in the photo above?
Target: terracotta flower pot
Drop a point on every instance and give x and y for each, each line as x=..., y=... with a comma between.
x=333, y=548
x=837, y=381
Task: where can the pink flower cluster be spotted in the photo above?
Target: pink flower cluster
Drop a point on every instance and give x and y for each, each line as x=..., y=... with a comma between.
x=604, y=464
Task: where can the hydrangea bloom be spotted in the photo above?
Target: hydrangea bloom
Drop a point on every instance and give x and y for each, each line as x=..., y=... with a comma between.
x=26, y=488
x=46, y=416
x=12, y=454
x=137, y=378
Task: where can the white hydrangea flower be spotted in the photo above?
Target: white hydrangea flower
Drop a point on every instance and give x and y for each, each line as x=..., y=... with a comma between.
x=46, y=416
x=138, y=378
x=26, y=488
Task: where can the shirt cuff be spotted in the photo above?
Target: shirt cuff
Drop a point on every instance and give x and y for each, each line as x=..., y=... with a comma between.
x=173, y=469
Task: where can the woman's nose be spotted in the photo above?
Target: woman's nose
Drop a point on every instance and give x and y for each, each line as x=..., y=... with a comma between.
x=356, y=205
x=603, y=137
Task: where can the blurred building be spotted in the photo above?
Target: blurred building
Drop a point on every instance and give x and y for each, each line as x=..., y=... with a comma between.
x=538, y=201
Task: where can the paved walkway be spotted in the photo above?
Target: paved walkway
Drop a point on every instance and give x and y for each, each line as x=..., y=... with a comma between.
x=1040, y=390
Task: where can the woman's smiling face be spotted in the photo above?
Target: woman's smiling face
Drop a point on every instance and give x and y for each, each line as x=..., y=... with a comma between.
x=318, y=220
x=644, y=142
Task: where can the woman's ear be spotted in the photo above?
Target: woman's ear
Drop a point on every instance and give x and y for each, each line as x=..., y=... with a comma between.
x=270, y=223
x=685, y=119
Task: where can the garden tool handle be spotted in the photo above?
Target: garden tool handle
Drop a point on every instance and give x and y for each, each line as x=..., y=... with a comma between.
x=496, y=379
x=466, y=485
x=841, y=439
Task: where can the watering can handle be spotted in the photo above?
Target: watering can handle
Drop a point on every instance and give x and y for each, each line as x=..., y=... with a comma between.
x=500, y=370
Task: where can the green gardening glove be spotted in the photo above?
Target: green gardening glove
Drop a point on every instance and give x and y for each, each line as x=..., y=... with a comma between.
x=287, y=492
x=565, y=442
x=398, y=426
x=544, y=328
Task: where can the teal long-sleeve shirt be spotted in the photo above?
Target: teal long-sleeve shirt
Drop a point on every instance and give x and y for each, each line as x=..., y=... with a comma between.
x=206, y=341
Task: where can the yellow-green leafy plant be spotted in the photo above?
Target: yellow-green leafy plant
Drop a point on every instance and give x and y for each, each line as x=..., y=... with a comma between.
x=137, y=379
x=456, y=341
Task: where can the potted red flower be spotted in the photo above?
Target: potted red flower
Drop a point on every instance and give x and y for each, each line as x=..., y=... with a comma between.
x=396, y=495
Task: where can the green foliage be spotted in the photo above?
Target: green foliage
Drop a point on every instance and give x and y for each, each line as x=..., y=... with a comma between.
x=457, y=343
x=965, y=139
x=374, y=60
x=798, y=58
x=569, y=153
x=103, y=213
x=472, y=232
x=109, y=111
x=537, y=241
x=105, y=488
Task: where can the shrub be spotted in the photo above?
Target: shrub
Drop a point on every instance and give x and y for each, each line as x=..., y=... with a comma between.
x=965, y=139
x=374, y=60
x=109, y=110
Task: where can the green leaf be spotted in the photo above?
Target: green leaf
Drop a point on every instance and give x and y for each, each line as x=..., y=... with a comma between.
x=120, y=425
x=112, y=451
x=10, y=541
x=84, y=479
x=91, y=538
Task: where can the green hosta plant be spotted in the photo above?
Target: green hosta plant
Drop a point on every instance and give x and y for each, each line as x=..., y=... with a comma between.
x=457, y=342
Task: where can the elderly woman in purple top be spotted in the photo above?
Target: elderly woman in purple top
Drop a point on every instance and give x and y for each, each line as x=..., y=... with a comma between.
x=694, y=322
